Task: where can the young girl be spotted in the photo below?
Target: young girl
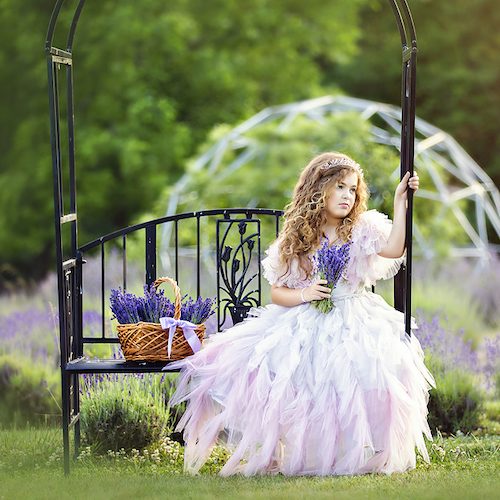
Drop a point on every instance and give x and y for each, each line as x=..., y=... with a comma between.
x=298, y=391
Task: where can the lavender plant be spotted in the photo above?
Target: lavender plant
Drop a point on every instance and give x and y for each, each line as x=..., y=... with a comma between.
x=330, y=261
x=456, y=352
x=128, y=308
x=449, y=346
x=492, y=365
x=126, y=412
x=197, y=311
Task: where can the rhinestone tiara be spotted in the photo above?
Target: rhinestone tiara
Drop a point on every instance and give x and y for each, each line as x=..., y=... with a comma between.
x=342, y=161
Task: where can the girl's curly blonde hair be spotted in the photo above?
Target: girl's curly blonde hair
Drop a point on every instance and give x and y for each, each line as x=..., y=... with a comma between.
x=305, y=215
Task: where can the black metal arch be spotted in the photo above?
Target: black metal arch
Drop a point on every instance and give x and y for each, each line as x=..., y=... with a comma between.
x=69, y=266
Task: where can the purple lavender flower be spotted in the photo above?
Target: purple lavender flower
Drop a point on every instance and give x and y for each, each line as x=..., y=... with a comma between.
x=492, y=365
x=197, y=311
x=155, y=305
x=454, y=351
x=127, y=308
x=330, y=261
x=450, y=347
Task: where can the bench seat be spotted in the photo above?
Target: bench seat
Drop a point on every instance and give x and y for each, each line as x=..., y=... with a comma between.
x=86, y=365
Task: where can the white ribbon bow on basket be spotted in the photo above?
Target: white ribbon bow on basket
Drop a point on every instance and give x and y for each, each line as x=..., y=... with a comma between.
x=187, y=329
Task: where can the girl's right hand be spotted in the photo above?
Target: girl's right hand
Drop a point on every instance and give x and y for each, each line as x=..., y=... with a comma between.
x=317, y=291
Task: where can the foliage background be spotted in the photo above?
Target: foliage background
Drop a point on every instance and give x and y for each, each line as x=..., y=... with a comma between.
x=153, y=79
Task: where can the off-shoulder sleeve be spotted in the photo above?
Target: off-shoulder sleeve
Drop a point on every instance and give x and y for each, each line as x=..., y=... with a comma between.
x=273, y=269
x=368, y=238
x=276, y=273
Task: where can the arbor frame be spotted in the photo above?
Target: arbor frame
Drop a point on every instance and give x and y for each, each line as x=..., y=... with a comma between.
x=69, y=265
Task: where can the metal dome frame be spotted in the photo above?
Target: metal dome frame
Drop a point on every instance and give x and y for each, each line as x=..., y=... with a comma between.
x=433, y=146
x=69, y=263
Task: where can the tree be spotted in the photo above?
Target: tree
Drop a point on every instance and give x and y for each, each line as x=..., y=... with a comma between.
x=267, y=179
x=151, y=79
x=458, y=75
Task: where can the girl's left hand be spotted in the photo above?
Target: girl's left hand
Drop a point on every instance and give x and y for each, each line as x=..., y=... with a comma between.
x=406, y=181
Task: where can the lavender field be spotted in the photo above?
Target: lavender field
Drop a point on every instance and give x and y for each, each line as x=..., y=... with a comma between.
x=458, y=319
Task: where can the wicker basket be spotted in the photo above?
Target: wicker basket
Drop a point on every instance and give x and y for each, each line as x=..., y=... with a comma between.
x=146, y=341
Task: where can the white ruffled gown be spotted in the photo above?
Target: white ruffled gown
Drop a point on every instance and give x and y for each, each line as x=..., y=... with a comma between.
x=295, y=391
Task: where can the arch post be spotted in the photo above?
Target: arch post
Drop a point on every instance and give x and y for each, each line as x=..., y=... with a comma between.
x=406, y=27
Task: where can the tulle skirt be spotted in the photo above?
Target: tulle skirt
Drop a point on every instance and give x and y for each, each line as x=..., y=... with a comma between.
x=295, y=391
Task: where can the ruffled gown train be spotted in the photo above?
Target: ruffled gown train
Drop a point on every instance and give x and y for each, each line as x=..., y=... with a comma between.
x=296, y=391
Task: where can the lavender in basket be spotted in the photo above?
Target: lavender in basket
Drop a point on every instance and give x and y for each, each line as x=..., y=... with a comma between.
x=197, y=311
x=155, y=304
x=330, y=261
x=128, y=308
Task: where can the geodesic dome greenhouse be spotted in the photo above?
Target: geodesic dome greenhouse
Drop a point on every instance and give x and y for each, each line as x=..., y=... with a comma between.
x=459, y=187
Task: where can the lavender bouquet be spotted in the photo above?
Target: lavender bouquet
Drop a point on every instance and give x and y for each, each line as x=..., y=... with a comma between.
x=128, y=308
x=330, y=261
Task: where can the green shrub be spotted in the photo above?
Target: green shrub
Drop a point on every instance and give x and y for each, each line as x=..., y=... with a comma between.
x=490, y=419
x=29, y=393
x=456, y=404
x=126, y=412
x=492, y=410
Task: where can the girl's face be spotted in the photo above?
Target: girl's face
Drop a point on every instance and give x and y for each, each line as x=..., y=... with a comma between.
x=341, y=197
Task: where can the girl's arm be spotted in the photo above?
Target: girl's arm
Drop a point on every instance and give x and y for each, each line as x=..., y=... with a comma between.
x=396, y=243
x=284, y=296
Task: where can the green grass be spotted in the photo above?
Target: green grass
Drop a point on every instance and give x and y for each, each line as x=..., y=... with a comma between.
x=480, y=482
x=30, y=467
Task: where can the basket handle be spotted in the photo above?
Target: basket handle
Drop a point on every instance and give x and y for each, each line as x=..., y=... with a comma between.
x=177, y=291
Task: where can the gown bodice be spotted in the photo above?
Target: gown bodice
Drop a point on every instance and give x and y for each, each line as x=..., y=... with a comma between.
x=369, y=235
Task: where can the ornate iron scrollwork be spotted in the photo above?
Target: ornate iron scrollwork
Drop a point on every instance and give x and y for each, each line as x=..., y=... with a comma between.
x=233, y=263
